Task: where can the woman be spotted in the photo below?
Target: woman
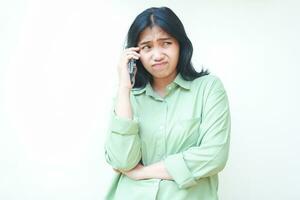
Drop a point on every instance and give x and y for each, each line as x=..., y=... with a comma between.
x=169, y=133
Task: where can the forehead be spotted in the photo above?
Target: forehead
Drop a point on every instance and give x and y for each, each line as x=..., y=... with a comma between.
x=153, y=33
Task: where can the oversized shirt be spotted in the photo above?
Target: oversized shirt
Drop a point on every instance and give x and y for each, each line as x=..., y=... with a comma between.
x=188, y=129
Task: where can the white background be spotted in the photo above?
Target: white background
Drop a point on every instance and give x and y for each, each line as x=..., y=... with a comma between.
x=58, y=76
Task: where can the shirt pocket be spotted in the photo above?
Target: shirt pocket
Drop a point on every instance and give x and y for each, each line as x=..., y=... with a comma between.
x=184, y=133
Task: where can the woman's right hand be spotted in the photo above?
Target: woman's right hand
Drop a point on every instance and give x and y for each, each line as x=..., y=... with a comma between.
x=124, y=78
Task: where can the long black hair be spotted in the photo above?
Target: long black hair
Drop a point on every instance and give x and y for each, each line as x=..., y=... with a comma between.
x=166, y=19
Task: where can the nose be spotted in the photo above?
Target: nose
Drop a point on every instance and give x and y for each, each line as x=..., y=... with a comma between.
x=157, y=54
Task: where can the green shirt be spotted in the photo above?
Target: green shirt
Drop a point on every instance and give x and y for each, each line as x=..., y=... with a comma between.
x=189, y=129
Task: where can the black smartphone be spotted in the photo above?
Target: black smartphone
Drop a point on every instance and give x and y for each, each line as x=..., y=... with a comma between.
x=131, y=70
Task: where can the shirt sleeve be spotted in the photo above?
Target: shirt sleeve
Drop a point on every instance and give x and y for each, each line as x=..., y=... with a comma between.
x=122, y=145
x=210, y=155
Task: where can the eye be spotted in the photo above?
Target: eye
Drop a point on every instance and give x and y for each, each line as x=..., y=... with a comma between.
x=166, y=44
x=146, y=47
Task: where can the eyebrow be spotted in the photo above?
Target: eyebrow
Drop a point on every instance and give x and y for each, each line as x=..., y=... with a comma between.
x=146, y=42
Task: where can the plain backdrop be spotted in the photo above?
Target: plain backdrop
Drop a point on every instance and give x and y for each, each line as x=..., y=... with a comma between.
x=58, y=77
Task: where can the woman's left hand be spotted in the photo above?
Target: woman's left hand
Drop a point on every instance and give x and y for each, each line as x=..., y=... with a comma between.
x=136, y=173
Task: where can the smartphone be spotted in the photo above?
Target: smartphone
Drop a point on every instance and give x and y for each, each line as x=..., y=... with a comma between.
x=131, y=70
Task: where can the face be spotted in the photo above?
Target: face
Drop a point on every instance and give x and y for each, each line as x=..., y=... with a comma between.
x=159, y=53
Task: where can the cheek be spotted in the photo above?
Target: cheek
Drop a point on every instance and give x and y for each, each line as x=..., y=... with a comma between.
x=143, y=60
x=175, y=56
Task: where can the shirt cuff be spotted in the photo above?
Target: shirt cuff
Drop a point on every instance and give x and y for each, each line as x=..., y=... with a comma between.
x=177, y=168
x=124, y=126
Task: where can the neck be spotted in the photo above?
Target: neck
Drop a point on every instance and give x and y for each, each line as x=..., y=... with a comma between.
x=159, y=84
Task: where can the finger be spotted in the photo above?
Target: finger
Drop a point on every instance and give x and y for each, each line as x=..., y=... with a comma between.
x=132, y=56
x=133, y=53
x=134, y=49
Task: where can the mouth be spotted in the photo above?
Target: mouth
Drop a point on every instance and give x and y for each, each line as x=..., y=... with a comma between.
x=159, y=65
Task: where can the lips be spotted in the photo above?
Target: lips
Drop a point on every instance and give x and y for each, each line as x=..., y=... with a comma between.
x=159, y=65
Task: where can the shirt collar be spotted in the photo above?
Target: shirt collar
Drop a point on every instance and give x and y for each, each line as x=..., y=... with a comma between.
x=149, y=90
x=182, y=83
